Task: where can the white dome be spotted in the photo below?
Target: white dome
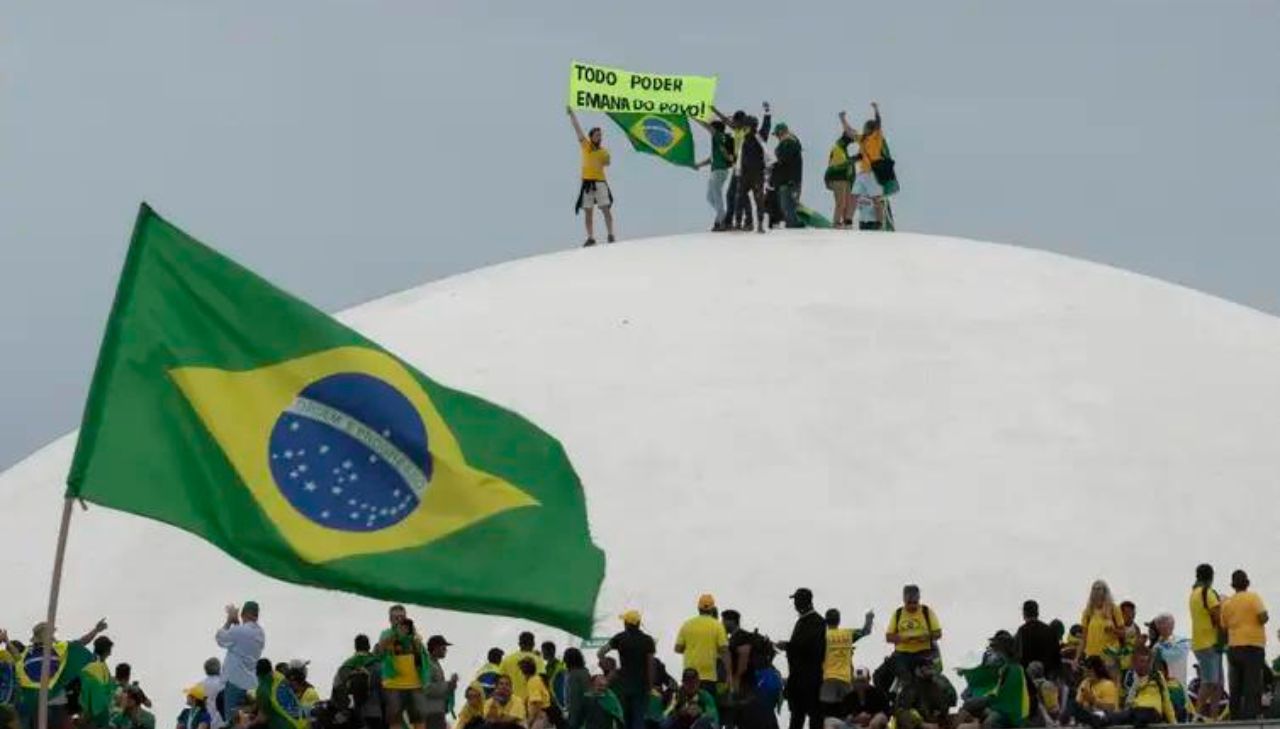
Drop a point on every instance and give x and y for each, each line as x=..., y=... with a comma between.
x=842, y=411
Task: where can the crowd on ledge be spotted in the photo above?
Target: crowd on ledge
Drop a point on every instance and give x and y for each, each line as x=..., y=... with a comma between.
x=1109, y=669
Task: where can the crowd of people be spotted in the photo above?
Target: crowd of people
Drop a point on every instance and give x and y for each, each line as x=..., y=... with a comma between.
x=1109, y=669
x=755, y=186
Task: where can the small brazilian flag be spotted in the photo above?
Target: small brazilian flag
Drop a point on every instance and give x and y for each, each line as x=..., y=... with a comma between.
x=664, y=135
x=228, y=408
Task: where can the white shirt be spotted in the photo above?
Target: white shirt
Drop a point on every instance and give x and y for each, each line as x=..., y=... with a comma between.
x=212, y=687
x=244, y=644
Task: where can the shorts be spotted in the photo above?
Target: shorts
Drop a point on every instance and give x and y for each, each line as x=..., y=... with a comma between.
x=596, y=194
x=404, y=701
x=1210, y=662
x=865, y=185
x=833, y=691
x=839, y=187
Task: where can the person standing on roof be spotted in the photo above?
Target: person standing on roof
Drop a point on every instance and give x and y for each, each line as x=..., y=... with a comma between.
x=806, y=651
x=437, y=689
x=868, y=194
x=1208, y=639
x=594, y=192
x=837, y=663
x=914, y=632
x=244, y=639
x=510, y=666
x=1036, y=641
x=839, y=176
x=703, y=642
x=721, y=161
x=752, y=164
x=213, y=685
x=788, y=173
x=637, y=672
x=401, y=651
x=1244, y=616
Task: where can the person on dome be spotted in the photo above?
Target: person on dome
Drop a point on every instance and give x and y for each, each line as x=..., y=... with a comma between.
x=1103, y=625
x=594, y=191
x=914, y=632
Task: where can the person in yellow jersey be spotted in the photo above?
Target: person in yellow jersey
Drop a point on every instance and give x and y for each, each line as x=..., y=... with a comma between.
x=505, y=709
x=703, y=642
x=594, y=192
x=402, y=653
x=1103, y=624
x=868, y=194
x=471, y=715
x=914, y=632
x=837, y=662
x=1207, y=639
x=1148, y=701
x=537, y=695
x=1244, y=616
x=510, y=666
x=1097, y=695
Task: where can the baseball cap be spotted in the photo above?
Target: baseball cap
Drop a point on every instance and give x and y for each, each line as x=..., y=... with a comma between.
x=780, y=127
x=630, y=617
x=196, y=692
x=706, y=601
x=802, y=593
x=436, y=640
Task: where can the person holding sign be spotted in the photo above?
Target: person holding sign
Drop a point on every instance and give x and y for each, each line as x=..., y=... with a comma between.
x=594, y=192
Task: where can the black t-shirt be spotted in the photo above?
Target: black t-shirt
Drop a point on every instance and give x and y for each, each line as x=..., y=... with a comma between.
x=738, y=639
x=1038, y=642
x=634, y=647
x=873, y=701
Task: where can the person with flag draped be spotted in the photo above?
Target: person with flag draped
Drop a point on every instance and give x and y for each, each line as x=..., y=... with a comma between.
x=278, y=707
x=97, y=686
x=67, y=660
x=8, y=671
x=998, y=696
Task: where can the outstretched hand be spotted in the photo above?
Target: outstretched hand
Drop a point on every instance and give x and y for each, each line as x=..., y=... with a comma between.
x=101, y=625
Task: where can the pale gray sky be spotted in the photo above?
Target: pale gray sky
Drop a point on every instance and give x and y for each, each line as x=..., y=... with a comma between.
x=350, y=149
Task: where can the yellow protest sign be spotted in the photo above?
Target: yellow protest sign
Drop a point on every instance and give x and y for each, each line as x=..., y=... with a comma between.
x=615, y=90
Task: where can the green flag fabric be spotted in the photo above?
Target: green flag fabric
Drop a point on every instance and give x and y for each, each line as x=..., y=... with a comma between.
x=1006, y=686
x=666, y=135
x=811, y=218
x=226, y=407
x=278, y=703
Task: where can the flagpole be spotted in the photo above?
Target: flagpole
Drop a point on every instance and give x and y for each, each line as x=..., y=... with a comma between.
x=46, y=655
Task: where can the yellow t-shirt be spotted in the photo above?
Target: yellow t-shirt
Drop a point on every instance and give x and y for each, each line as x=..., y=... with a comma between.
x=511, y=713
x=1097, y=630
x=1240, y=614
x=406, y=675
x=469, y=713
x=1105, y=694
x=511, y=669
x=1048, y=696
x=837, y=665
x=872, y=148
x=594, y=160
x=912, y=632
x=537, y=697
x=1203, y=634
x=702, y=637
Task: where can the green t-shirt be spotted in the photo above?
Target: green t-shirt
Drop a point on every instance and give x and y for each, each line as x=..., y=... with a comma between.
x=721, y=146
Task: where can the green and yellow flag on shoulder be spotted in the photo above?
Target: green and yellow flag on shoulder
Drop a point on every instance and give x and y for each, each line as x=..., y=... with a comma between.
x=226, y=407
x=664, y=135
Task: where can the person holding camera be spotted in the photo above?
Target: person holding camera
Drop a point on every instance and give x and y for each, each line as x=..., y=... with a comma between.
x=244, y=640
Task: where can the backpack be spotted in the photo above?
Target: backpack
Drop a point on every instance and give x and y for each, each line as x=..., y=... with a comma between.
x=897, y=614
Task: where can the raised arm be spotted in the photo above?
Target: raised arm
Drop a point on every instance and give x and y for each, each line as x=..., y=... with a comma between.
x=101, y=625
x=577, y=128
x=876, y=108
x=766, y=123
x=849, y=131
x=721, y=116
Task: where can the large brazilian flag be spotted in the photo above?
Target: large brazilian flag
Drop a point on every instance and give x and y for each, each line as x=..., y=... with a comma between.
x=228, y=408
x=663, y=135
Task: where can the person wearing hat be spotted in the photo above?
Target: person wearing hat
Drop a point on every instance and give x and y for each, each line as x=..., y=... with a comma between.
x=195, y=715
x=1243, y=616
x=295, y=673
x=132, y=714
x=703, y=642
x=637, y=672
x=806, y=650
x=788, y=173
x=72, y=657
x=244, y=640
x=436, y=687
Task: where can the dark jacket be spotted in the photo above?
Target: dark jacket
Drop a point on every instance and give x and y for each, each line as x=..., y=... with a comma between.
x=1036, y=641
x=805, y=652
x=753, y=149
x=789, y=169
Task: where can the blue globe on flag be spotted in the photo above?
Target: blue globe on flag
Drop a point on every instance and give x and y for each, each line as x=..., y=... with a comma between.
x=658, y=132
x=350, y=453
